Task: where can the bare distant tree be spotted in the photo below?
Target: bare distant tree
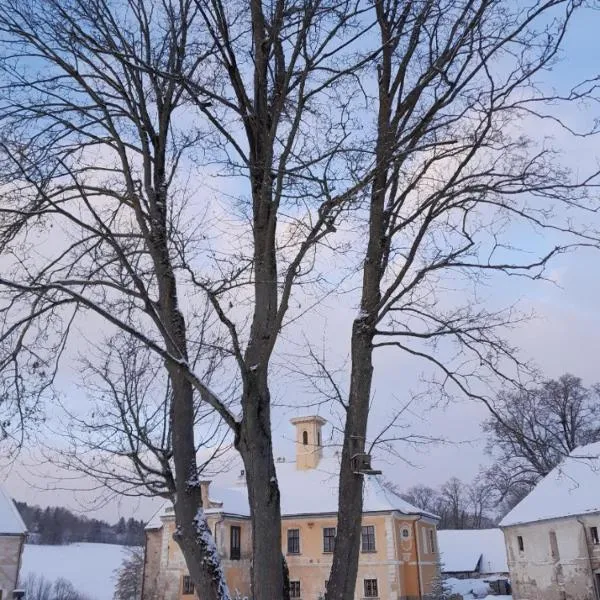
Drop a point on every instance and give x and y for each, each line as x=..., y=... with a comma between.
x=123, y=438
x=38, y=587
x=455, y=173
x=535, y=428
x=129, y=576
x=422, y=496
x=453, y=495
x=482, y=503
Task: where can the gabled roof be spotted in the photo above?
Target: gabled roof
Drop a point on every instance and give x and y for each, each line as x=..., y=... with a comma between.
x=306, y=492
x=11, y=522
x=315, y=491
x=572, y=488
x=461, y=551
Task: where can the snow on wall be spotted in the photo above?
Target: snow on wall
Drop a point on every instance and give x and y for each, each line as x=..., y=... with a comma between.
x=89, y=567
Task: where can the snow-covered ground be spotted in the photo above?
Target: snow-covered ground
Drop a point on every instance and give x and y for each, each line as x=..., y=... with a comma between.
x=89, y=567
x=470, y=589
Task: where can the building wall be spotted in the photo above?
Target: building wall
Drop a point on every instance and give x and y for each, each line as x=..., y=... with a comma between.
x=11, y=547
x=558, y=561
x=394, y=563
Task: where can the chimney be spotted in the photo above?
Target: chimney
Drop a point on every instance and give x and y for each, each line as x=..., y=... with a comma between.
x=204, y=485
x=309, y=447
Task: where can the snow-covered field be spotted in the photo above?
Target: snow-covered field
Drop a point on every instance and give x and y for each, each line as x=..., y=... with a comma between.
x=470, y=589
x=89, y=567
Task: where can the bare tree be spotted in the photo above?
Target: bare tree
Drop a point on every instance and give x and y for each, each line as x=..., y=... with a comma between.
x=39, y=588
x=535, y=428
x=454, y=171
x=422, y=496
x=106, y=107
x=129, y=576
x=481, y=502
x=122, y=439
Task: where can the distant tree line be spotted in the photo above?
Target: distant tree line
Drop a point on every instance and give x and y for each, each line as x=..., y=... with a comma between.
x=459, y=505
x=56, y=525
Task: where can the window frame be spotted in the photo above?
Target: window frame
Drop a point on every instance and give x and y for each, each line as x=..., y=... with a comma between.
x=431, y=542
x=329, y=540
x=295, y=589
x=235, y=551
x=371, y=588
x=371, y=539
x=520, y=543
x=291, y=538
x=187, y=586
x=594, y=535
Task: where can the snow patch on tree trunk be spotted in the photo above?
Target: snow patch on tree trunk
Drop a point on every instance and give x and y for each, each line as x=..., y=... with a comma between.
x=211, y=557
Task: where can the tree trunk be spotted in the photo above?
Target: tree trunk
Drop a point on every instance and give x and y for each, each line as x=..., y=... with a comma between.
x=255, y=446
x=192, y=532
x=342, y=581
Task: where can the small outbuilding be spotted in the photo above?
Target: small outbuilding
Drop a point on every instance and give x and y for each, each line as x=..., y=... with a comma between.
x=472, y=553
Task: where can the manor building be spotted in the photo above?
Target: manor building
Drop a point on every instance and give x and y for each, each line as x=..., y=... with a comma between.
x=399, y=553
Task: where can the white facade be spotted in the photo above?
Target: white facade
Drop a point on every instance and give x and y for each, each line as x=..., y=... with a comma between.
x=553, y=535
x=558, y=560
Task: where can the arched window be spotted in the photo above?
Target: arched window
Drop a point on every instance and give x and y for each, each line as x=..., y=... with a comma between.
x=305, y=438
x=319, y=438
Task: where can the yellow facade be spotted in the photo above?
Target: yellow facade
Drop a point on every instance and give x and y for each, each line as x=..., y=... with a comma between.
x=398, y=559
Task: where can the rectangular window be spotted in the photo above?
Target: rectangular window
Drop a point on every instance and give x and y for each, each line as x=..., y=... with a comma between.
x=594, y=535
x=235, y=548
x=295, y=589
x=520, y=543
x=187, y=586
x=431, y=541
x=554, y=546
x=371, y=588
x=328, y=539
x=368, y=538
x=293, y=541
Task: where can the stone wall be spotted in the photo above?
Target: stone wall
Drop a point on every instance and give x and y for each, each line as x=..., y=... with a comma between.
x=10, y=560
x=557, y=562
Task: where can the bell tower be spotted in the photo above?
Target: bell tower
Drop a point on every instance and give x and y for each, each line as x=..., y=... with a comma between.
x=309, y=444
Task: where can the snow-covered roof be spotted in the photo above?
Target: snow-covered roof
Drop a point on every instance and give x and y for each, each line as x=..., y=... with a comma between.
x=306, y=492
x=234, y=502
x=572, y=488
x=315, y=491
x=11, y=522
x=461, y=550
